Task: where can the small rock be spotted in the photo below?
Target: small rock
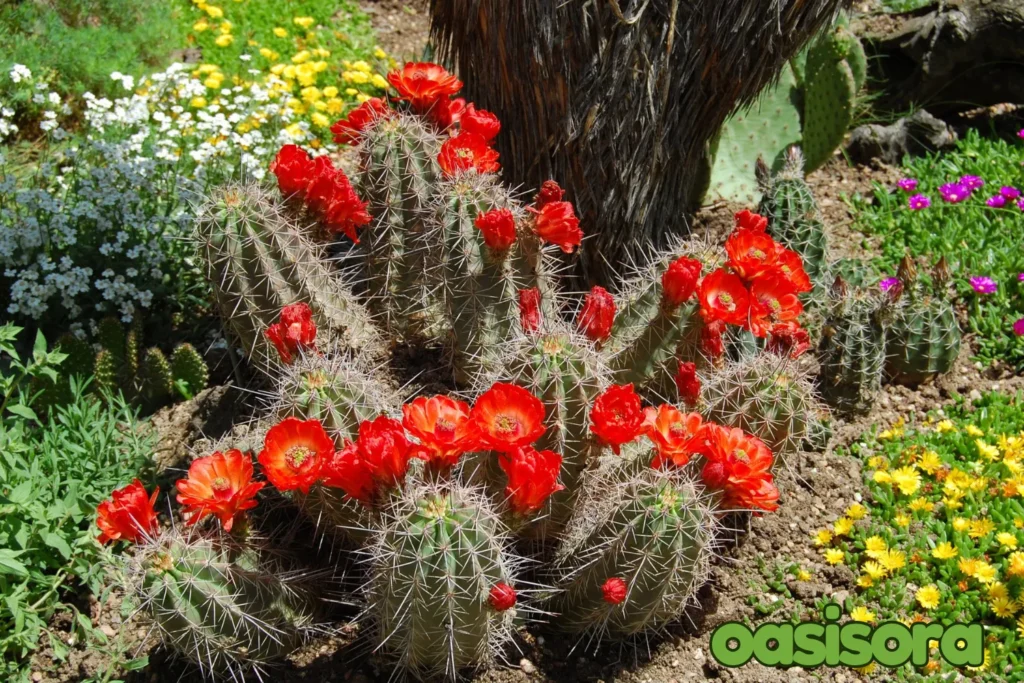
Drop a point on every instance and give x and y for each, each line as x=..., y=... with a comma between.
x=108, y=630
x=527, y=666
x=37, y=676
x=975, y=395
x=914, y=136
x=675, y=662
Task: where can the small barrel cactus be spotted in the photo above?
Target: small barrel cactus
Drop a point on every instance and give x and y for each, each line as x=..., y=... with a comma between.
x=924, y=338
x=852, y=349
x=635, y=553
x=155, y=373
x=217, y=603
x=436, y=560
x=189, y=368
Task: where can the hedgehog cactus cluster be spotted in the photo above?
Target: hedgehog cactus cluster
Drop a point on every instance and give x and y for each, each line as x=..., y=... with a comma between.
x=554, y=479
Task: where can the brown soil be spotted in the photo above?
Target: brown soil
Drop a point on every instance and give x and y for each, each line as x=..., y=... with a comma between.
x=402, y=26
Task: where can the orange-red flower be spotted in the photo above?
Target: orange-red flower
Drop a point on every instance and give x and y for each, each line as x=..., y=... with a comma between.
x=467, y=151
x=498, y=227
x=711, y=341
x=788, y=339
x=617, y=416
x=323, y=184
x=294, y=170
x=506, y=417
x=349, y=130
x=739, y=465
x=672, y=432
x=614, y=590
x=385, y=450
x=346, y=470
x=479, y=121
x=422, y=84
x=529, y=310
x=294, y=453
x=532, y=477
x=791, y=266
x=557, y=223
x=220, y=485
x=294, y=330
x=345, y=211
x=128, y=515
x=688, y=384
x=679, y=281
x=773, y=300
x=723, y=297
x=445, y=113
x=443, y=427
x=598, y=314
x=748, y=220
x=502, y=596
x=751, y=253
x=550, y=191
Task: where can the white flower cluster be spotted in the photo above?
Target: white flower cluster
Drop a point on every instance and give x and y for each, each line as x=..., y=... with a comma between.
x=100, y=228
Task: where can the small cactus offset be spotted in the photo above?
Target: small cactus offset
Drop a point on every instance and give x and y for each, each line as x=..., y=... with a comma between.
x=217, y=603
x=106, y=372
x=441, y=553
x=156, y=375
x=852, y=349
x=924, y=338
x=636, y=552
x=111, y=336
x=188, y=370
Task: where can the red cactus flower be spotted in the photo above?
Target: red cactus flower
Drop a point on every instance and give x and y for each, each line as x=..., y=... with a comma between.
x=550, y=192
x=221, y=485
x=790, y=265
x=751, y=253
x=385, y=449
x=557, y=223
x=294, y=453
x=501, y=597
x=482, y=122
x=294, y=330
x=748, y=220
x=467, y=151
x=773, y=300
x=294, y=170
x=738, y=465
x=346, y=470
x=711, y=341
x=498, y=227
x=598, y=315
x=614, y=591
x=445, y=113
x=129, y=514
x=529, y=310
x=617, y=417
x=672, y=433
x=443, y=427
x=422, y=84
x=322, y=184
x=688, y=384
x=723, y=297
x=346, y=211
x=788, y=339
x=532, y=477
x=506, y=417
x=349, y=130
x=679, y=282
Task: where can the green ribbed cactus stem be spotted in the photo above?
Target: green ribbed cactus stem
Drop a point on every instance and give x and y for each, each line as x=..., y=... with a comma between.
x=258, y=259
x=132, y=354
x=653, y=529
x=106, y=372
x=830, y=91
x=793, y=216
x=189, y=369
x=924, y=339
x=399, y=171
x=852, y=350
x=217, y=603
x=764, y=395
x=563, y=369
x=439, y=553
x=110, y=335
x=478, y=285
x=155, y=373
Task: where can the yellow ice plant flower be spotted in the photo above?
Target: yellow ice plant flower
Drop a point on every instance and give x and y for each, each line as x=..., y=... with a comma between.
x=843, y=526
x=278, y=69
x=319, y=120
x=822, y=537
x=200, y=26
x=330, y=91
x=300, y=57
x=986, y=450
x=379, y=81
x=834, y=556
x=981, y=527
x=303, y=22
x=379, y=53
x=1004, y=607
x=862, y=613
x=335, y=106
x=362, y=66
x=882, y=477
x=319, y=65
x=351, y=91
x=875, y=546
x=930, y=462
x=997, y=590
x=197, y=102
x=267, y=53
x=985, y=572
x=921, y=505
x=907, y=480
x=945, y=426
x=1006, y=540
x=865, y=581
x=878, y=462
x=856, y=511
x=874, y=569
x=928, y=596
x=225, y=26
x=973, y=431
x=305, y=74
x=893, y=432
x=214, y=82
x=357, y=77
x=213, y=11
x=224, y=40
x=280, y=32
x=311, y=94
x=901, y=520
x=1015, y=567
x=893, y=560
x=968, y=566
x=803, y=575
x=961, y=524
x=944, y=551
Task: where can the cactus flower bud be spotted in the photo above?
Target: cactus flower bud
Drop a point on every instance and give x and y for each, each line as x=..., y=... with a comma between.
x=680, y=280
x=598, y=315
x=550, y=191
x=498, y=227
x=688, y=383
x=614, y=591
x=502, y=596
x=529, y=310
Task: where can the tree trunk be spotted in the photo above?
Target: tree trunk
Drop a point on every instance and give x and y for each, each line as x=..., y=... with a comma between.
x=618, y=99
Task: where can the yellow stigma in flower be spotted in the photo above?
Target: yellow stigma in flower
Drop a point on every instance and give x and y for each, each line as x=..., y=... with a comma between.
x=961, y=524
x=893, y=560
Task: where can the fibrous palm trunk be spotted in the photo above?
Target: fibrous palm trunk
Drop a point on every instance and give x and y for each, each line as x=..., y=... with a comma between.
x=619, y=99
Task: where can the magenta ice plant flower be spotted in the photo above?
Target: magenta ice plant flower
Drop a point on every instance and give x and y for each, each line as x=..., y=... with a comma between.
x=954, y=193
x=907, y=184
x=996, y=201
x=888, y=283
x=918, y=202
x=1009, y=191
x=1020, y=277
x=972, y=182
x=983, y=284
x=1018, y=328
x=1020, y=203
x=1020, y=133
